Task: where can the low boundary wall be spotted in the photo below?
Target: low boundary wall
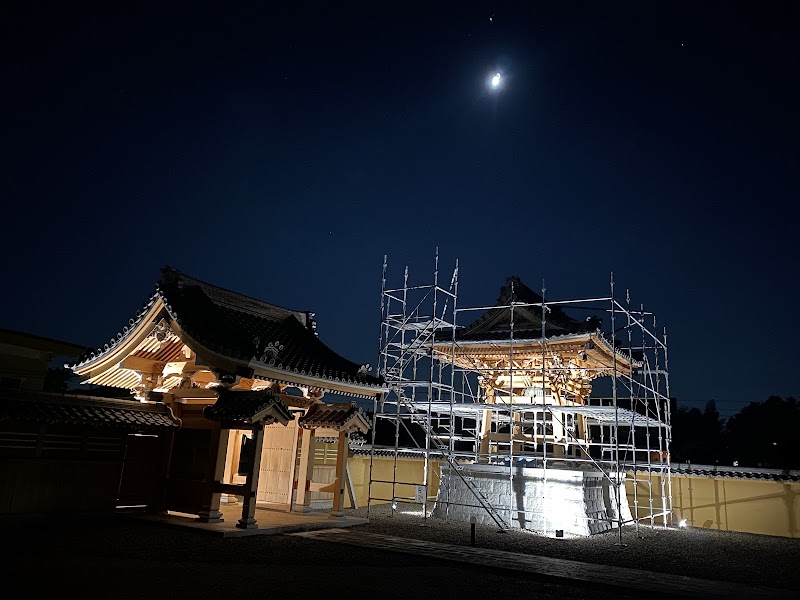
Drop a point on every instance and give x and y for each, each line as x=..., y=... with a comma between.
x=759, y=501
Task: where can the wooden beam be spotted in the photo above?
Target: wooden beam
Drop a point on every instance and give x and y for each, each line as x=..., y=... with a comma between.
x=318, y=486
x=194, y=393
x=236, y=489
x=141, y=365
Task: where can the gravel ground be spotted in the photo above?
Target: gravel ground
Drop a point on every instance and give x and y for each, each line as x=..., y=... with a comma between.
x=745, y=558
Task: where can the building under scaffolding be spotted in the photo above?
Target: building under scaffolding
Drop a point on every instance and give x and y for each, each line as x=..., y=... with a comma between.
x=533, y=414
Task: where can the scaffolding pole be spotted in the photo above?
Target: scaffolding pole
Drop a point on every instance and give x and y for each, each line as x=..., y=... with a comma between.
x=418, y=327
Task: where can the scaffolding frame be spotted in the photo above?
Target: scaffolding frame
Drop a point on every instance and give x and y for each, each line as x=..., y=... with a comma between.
x=417, y=357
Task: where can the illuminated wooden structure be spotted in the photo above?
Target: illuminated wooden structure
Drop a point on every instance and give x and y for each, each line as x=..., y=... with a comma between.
x=526, y=360
x=236, y=372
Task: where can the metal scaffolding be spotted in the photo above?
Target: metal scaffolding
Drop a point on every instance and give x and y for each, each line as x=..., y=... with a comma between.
x=440, y=411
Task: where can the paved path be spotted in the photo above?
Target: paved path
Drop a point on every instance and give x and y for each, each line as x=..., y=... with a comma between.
x=635, y=579
x=269, y=521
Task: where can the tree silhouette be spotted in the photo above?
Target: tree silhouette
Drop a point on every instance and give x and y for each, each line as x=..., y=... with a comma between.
x=762, y=434
x=57, y=380
x=697, y=436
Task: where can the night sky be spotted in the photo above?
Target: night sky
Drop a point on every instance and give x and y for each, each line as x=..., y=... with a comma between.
x=281, y=152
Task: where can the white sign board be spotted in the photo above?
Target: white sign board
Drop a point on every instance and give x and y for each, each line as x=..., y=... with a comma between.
x=422, y=494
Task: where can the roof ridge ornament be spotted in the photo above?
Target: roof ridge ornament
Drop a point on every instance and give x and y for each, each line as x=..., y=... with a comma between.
x=161, y=332
x=271, y=351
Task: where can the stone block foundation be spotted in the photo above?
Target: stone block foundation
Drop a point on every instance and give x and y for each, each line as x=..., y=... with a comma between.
x=575, y=501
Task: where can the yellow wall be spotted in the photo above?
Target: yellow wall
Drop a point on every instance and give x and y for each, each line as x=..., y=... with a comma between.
x=409, y=471
x=753, y=506
x=727, y=504
x=722, y=503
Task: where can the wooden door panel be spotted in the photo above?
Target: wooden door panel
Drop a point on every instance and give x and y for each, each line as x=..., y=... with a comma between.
x=276, y=473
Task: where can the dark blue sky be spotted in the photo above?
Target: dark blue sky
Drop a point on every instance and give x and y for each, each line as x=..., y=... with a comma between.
x=281, y=152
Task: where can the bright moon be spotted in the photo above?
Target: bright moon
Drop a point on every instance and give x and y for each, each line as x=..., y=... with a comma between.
x=496, y=80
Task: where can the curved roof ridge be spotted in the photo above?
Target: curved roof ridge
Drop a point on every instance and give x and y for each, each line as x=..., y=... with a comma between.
x=494, y=322
x=172, y=276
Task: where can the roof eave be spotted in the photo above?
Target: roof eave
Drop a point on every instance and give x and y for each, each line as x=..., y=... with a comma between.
x=602, y=346
x=312, y=381
x=123, y=346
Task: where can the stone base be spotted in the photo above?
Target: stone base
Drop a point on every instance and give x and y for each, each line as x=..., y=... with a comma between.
x=210, y=516
x=247, y=523
x=574, y=502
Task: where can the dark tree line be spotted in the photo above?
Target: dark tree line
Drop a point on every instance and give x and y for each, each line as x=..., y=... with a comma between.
x=761, y=434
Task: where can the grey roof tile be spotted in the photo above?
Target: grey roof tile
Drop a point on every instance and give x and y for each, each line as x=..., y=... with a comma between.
x=248, y=407
x=41, y=407
x=335, y=416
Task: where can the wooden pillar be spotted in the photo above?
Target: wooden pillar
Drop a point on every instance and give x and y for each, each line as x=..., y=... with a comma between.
x=486, y=429
x=209, y=511
x=559, y=433
x=235, y=446
x=342, y=452
x=306, y=471
x=248, y=520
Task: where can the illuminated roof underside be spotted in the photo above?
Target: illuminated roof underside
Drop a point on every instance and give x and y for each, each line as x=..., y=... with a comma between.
x=602, y=415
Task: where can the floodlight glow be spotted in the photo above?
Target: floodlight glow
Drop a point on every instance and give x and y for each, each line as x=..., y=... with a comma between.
x=682, y=523
x=496, y=80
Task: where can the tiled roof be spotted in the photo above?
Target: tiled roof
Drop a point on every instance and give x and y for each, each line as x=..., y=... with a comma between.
x=367, y=450
x=737, y=472
x=41, y=407
x=495, y=323
x=341, y=417
x=248, y=407
x=241, y=328
x=245, y=329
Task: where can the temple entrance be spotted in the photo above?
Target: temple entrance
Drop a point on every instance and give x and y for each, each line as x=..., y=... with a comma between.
x=277, y=469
